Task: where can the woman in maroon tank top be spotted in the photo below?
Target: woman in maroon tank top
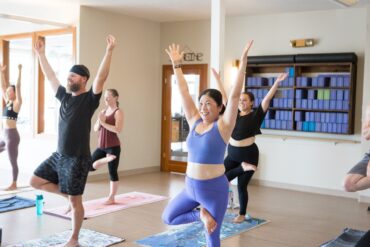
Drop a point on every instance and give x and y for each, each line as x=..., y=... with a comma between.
x=109, y=124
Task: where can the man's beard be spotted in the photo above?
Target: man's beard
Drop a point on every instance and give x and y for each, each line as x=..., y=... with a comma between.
x=74, y=87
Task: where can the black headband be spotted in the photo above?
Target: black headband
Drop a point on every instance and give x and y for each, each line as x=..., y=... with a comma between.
x=80, y=70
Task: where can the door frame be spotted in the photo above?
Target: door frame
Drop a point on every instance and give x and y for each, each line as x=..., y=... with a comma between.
x=202, y=69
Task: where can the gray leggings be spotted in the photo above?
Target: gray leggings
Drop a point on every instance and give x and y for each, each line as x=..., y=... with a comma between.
x=11, y=142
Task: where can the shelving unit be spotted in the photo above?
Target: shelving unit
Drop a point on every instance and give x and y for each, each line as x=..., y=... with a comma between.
x=318, y=96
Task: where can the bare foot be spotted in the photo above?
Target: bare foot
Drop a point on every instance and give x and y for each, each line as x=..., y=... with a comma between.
x=209, y=222
x=248, y=167
x=368, y=170
x=13, y=186
x=109, y=201
x=72, y=243
x=239, y=219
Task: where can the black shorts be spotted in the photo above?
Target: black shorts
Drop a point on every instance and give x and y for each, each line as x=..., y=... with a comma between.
x=70, y=173
x=248, y=154
x=361, y=167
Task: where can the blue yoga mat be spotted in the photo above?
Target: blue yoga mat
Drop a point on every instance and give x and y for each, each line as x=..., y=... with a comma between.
x=348, y=238
x=87, y=238
x=192, y=235
x=14, y=203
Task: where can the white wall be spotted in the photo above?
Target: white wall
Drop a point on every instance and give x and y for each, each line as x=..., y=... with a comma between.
x=135, y=73
x=196, y=35
x=316, y=165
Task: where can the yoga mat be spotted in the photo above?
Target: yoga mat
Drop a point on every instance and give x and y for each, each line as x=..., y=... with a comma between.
x=96, y=207
x=18, y=190
x=192, y=235
x=87, y=238
x=14, y=203
x=348, y=238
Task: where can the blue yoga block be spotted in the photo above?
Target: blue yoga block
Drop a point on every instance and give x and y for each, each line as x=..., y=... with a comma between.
x=309, y=103
x=285, y=103
x=333, y=81
x=322, y=116
x=340, y=94
x=345, y=105
x=304, y=103
x=267, y=124
x=344, y=128
x=315, y=104
x=333, y=94
x=333, y=104
x=330, y=127
x=340, y=81
x=314, y=82
x=311, y=94
x=298, y=103
x=299, y=81
x=298, y=116
x=333, y=117
x=346, y=81
x=305, y=126
x=272, y=124
x=327, y=117
x=250, y=81
x=318, y=127
x=320, y=104
x=290, y=103
x=307, y=116
x=345, y=118
x=317, y=117
x=275, y=102
x=299, y=125
x=298, y=94
x=339, y=105
x=311, y=126
x=326, y=104
x=278, y=124
x=324, y=127
x=284, y=125
x=339, y=118
x=334, y=128
x=291, y=81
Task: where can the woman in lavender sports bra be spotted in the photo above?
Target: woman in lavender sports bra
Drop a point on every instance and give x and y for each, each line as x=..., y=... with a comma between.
x=10, y=141
x=211, y=127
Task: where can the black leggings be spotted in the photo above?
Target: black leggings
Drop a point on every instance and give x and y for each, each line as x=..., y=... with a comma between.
x=233, y=167
x=100, y=153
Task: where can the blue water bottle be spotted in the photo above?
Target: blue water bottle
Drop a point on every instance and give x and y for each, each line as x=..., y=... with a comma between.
x=39, y=204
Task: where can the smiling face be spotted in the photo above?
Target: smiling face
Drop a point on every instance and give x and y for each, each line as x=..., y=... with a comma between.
x=245, y=103
x=208, y=109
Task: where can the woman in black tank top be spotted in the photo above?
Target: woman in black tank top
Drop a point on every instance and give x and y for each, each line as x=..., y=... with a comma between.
x=10, y=139
x=242, y=153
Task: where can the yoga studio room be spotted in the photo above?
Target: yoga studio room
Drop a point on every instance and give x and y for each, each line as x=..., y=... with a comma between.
x=195, y=123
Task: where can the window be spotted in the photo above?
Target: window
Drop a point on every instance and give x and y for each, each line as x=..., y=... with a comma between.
x=40, y=109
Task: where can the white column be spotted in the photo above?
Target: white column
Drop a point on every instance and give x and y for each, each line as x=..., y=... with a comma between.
x=217, y=38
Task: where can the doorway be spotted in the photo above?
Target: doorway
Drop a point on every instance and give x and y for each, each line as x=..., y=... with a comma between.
x=175, y=128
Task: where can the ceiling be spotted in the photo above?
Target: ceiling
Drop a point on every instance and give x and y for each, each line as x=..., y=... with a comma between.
x=25, y=15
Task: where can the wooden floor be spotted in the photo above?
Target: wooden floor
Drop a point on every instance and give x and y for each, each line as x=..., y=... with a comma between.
x=296, y=218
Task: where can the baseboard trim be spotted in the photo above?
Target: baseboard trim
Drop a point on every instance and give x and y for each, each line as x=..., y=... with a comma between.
x=101, y=176
x=309, y=189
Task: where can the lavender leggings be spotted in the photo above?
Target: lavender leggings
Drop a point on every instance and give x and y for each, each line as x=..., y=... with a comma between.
x=211, y=194
x=11, y=143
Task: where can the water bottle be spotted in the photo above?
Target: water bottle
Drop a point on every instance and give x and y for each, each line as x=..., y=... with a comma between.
x=39, y=204
x=231, y=199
